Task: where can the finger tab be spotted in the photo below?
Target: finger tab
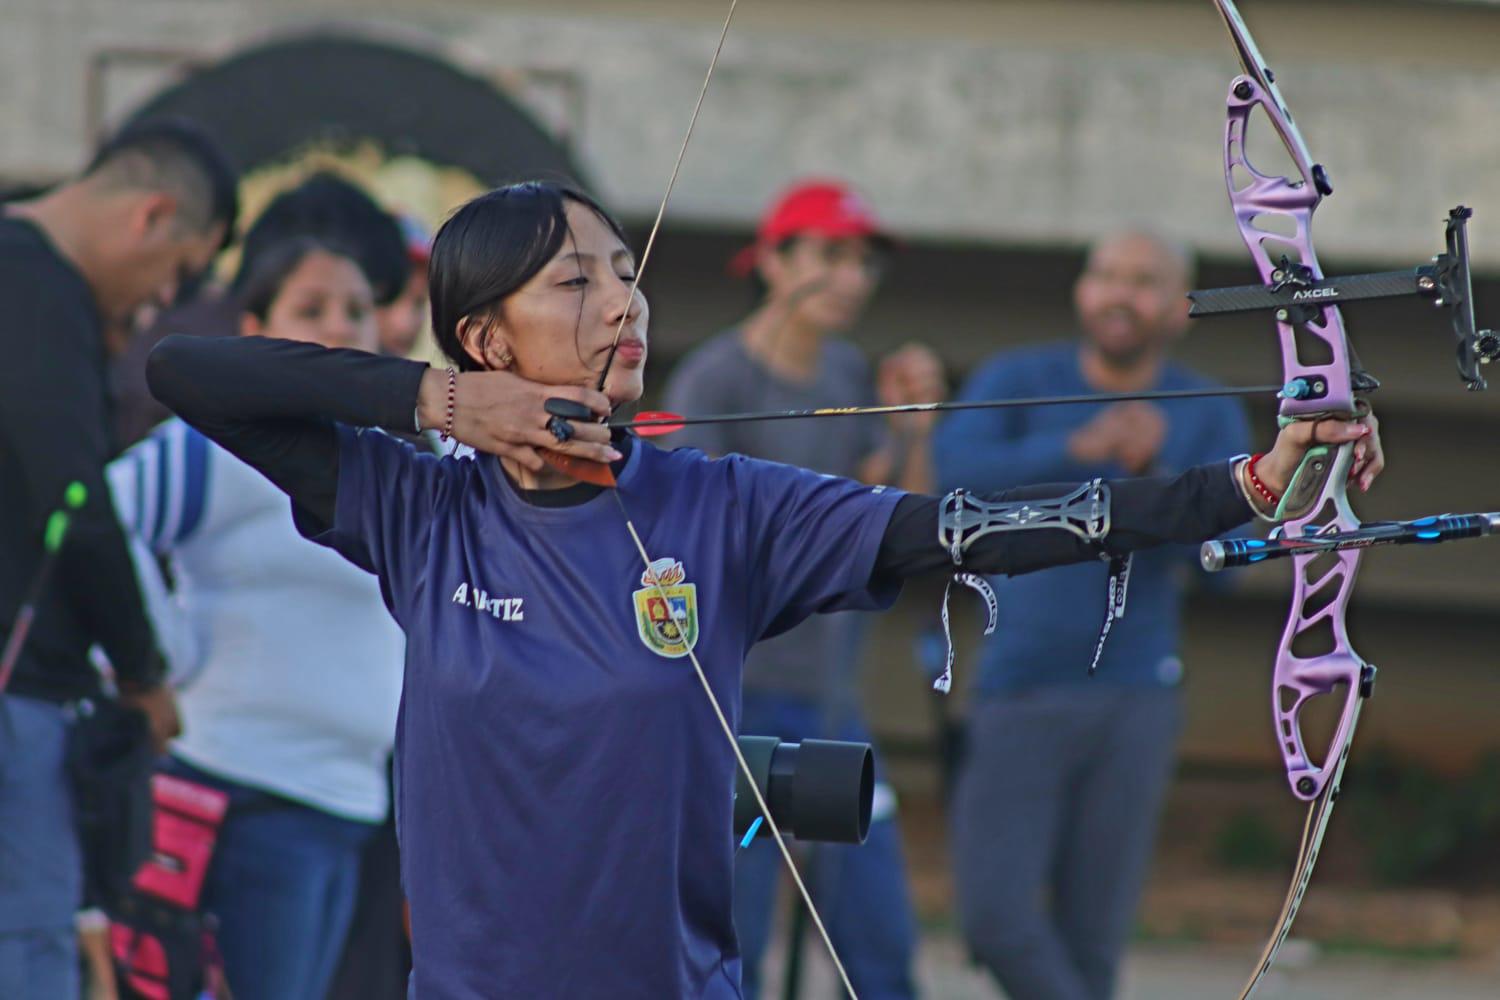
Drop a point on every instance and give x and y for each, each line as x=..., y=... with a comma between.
x=567, y=409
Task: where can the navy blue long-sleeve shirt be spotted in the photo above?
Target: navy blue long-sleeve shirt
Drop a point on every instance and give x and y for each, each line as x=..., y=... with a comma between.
x=1049, y=622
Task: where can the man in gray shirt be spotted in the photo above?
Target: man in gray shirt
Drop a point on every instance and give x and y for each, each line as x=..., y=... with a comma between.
x=817, y=260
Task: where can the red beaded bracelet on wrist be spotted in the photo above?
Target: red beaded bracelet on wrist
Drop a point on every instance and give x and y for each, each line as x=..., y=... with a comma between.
x=452, y=397
x=1264, y=491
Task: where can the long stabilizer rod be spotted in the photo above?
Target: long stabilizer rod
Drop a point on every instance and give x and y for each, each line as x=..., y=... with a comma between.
x=1232, y=552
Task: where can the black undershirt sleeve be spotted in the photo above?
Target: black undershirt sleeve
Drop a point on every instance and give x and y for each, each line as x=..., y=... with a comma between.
x=1200, y=504
x=273, y=403
x=53, y=432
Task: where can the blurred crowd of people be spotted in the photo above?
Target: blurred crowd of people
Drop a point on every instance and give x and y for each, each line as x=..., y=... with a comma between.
x=267, y=670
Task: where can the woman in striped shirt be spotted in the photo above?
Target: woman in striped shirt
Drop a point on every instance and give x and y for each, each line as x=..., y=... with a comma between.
x=289, y=665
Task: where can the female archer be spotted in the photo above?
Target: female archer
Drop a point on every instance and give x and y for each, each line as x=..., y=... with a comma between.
x=564, y=796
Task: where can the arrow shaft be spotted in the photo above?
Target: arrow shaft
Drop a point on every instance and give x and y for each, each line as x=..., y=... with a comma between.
x=986, y=404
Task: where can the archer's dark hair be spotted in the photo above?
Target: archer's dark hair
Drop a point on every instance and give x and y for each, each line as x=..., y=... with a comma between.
x=178, y=155
x=328, y=207
x=258, y=285
x=492, y=246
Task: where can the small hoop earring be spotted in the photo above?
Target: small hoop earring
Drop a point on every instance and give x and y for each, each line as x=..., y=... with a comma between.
x=506, y=360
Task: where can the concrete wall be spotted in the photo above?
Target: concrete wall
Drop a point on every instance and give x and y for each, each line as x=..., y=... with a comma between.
x=1042, y=122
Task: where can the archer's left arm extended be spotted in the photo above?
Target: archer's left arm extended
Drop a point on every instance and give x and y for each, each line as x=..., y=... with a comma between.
x=996, y=533
x=993, y=532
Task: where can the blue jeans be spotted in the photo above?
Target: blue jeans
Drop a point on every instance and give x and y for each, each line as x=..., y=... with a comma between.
x=282, y=884
x=860, y=891
x=41, y=872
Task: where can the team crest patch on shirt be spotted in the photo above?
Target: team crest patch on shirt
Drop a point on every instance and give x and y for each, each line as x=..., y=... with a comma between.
x=666, y=609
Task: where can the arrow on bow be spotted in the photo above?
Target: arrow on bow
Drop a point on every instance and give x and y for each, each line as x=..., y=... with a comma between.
x=653, y=423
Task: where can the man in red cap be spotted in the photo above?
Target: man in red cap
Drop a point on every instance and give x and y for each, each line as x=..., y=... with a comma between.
x=817, y=259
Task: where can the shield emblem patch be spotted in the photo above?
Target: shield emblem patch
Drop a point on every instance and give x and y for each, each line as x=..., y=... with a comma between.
x=666, y=609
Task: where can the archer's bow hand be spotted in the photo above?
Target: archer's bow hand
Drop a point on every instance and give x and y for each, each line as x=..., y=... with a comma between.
x=504, y=414
x=1297, y=439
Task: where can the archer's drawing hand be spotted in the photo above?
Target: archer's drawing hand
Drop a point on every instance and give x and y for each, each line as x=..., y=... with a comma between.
x=503, y=414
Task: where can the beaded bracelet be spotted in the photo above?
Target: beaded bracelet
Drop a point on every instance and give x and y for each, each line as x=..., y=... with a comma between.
x=1265, y=492
x=1243, y=489
x=452, y=397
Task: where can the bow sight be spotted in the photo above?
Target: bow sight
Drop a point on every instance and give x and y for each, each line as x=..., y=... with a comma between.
x=1298, y=298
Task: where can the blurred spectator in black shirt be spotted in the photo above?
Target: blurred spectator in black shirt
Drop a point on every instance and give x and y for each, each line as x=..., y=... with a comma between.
x=77, y=265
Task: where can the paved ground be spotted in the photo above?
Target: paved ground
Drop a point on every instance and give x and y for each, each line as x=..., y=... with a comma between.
x=1181, y=972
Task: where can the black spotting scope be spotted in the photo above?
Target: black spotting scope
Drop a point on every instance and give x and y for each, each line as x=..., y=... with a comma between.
x=818, y=790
